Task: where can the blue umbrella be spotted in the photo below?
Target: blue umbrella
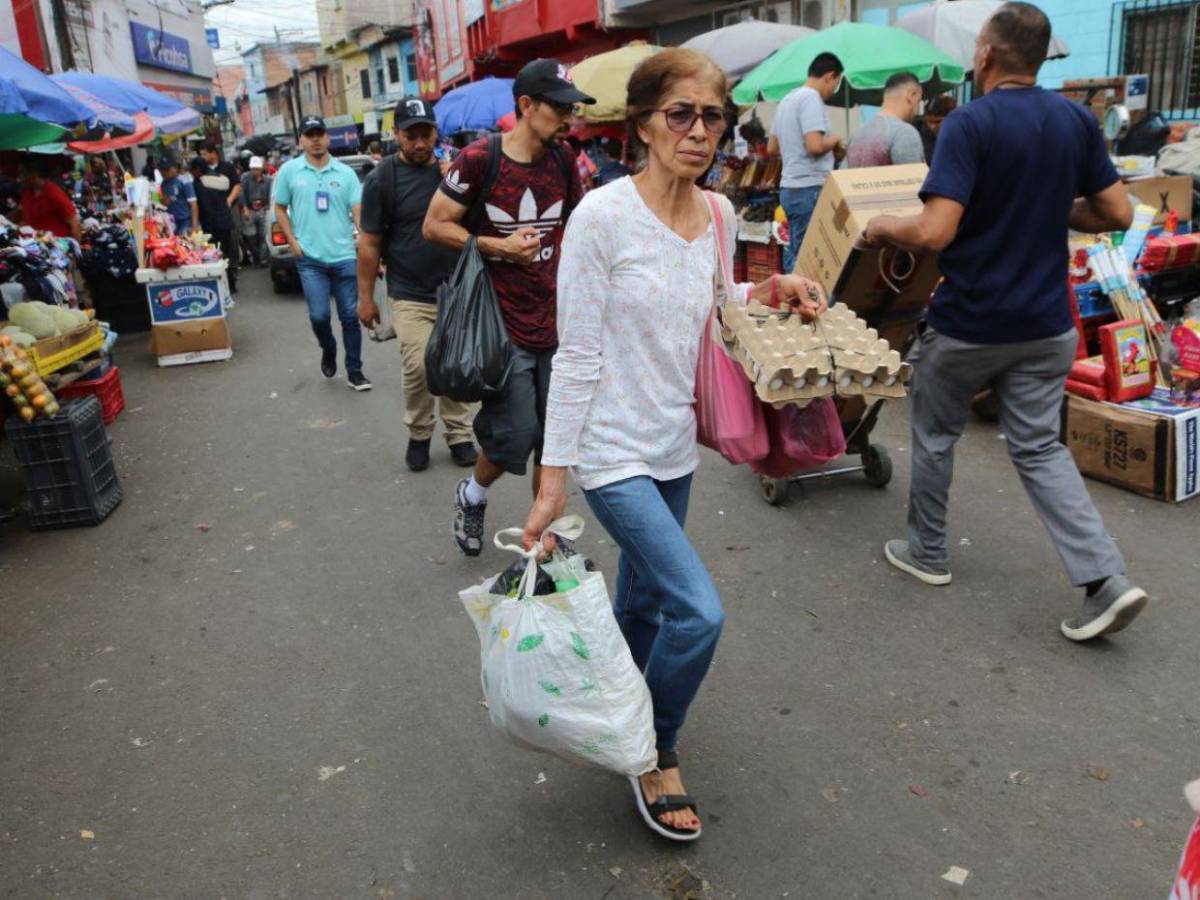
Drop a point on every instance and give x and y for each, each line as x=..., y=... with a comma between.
x=33, y=109
x=474, y=106
x=167, y=114
x=109, y=119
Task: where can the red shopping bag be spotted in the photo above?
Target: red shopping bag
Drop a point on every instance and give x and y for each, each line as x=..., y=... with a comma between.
x=801, y=438
x=729, y=417
x=1187, y=881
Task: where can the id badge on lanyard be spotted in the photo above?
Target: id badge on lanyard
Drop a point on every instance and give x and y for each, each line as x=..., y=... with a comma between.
x=322, y=201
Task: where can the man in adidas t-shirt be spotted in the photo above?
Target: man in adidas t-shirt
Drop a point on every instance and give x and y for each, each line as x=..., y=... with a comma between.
x=518, y=219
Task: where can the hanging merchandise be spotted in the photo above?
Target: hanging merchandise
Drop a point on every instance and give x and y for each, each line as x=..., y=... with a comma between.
x=107, y=249
x=39, y=263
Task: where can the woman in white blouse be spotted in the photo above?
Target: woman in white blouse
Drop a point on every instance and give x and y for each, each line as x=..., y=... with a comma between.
x=636, y=284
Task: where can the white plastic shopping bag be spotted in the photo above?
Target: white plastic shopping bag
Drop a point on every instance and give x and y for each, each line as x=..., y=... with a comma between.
x=557, y=673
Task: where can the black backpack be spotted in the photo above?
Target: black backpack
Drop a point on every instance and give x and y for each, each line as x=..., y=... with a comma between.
x=386, y=171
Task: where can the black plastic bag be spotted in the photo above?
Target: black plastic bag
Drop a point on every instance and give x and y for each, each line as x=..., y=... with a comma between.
x=468, y=355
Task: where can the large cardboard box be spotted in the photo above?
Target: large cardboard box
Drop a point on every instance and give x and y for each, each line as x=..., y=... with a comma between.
x=189, y=337
x=1164, y=193
x=1148, y=446
x=848, y=201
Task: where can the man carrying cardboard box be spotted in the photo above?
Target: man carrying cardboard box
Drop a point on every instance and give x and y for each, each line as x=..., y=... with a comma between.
x=998, y=201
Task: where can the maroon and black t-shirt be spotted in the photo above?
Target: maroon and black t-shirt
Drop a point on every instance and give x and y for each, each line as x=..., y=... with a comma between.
x=530, y=195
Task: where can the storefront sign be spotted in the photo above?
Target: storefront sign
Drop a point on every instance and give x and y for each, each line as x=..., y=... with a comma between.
x=213, y=36
x=184, y=301
x=160, y=49
x=198, y=98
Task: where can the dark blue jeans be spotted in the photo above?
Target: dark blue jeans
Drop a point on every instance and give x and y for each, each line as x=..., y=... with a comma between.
x=799, y=204
x=322, y=281
x=665, y=602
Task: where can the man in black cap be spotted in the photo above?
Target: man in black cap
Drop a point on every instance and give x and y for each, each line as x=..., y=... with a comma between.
x=396, y=197
x=317, y=202
x=514, y=193
x=217, y=191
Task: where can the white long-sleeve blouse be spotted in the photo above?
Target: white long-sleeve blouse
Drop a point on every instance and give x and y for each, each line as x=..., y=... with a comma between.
x=633, y=300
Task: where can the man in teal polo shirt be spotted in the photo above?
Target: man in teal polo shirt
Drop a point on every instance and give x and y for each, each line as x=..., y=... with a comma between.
x=317, y=203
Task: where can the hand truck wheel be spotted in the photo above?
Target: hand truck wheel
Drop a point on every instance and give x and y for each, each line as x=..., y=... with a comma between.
x=877, y=465
x=774, y=490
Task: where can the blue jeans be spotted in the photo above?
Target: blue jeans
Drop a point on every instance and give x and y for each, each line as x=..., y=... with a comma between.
x=665, y=602
x=339, y=280
x=799, y=204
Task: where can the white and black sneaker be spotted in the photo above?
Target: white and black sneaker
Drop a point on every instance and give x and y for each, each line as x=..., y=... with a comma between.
x=358, y=381
x=1111, y=608
x=468, y=521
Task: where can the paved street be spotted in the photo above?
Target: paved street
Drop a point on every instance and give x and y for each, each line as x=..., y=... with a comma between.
x=285, y=701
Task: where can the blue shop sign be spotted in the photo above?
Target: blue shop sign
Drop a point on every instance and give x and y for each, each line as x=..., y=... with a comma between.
x=160, y=49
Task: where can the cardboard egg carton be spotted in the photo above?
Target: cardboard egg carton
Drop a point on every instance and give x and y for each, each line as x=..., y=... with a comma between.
x=785, y=359
x=790, y=361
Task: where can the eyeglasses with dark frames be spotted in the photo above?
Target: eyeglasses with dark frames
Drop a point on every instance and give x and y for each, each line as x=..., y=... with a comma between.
x=560, y=109
x=680, y=119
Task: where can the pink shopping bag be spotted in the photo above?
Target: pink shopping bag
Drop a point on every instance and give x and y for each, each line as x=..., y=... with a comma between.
x=729, y=417
x=801, y=438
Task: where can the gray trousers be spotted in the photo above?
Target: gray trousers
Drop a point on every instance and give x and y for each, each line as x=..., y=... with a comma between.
x=1028, y=378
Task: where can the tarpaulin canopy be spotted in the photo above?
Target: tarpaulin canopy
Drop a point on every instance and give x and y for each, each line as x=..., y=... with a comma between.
x=953, y=27
x=33, y=109
x=871, y=54
x=168, y=115
x=474, y=106
x=605, y=76
x=739, y=48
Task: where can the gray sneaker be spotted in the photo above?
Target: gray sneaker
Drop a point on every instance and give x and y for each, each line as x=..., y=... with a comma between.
x=898, y=555
x=1107, y=611
x=468, y=521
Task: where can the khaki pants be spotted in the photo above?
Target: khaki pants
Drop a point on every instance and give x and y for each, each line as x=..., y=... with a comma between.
x=414, y=323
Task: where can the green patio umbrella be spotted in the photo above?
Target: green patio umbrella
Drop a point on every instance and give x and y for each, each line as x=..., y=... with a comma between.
x=871, y=55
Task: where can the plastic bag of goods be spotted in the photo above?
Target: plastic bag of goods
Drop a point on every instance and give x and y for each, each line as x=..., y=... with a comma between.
x=556, y=671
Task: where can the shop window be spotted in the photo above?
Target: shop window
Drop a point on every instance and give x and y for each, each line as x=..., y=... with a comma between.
x=393, y=67
x=410, y=68
x=1163, y=41
x=365, y=76
x=786, y=12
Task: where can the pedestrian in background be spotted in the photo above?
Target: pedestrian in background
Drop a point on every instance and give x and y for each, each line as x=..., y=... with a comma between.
x=611, y=166
x=801, y=135
x=637, y=284
x=317, y=206
x=518, y=221
x=256, y=198
x=217, y=190
x=179, y=197
x=999, y=200
x=890, y=139
x=395, y=199
x=931, y=123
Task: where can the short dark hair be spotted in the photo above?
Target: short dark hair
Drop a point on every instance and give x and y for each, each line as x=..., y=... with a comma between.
x=37, y=165
x=208, y=147
x=612, y=149
x=1019, y=34
x=941, y=105
x=899, y=80
x=824, y=64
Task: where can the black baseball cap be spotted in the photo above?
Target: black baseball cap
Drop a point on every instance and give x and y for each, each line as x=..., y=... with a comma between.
x=548, y=79
x=312, y=123
x=413, y=111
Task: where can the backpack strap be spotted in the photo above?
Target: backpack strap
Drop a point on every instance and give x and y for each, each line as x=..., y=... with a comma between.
x=494, y=153
x=386, y=173
x=566, y=166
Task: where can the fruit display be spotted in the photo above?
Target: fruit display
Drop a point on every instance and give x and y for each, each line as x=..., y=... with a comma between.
x=34, y=320
x=22, y=385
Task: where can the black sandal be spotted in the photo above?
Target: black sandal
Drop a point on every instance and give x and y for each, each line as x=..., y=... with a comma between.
x=665, y=803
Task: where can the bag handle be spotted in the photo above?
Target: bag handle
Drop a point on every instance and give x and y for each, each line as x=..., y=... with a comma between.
x=718, y=220
x=569, y=527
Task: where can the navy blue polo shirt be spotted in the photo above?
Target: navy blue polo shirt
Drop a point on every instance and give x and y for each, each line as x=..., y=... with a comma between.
x=1016, y=159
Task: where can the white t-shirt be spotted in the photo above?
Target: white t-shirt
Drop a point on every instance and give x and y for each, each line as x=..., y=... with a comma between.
x=799, y=113
x=633, y=298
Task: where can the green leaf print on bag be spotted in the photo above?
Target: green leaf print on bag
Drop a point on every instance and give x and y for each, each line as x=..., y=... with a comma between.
x=587, y=686
x=543, y=720
x=581, y=649
x=550, y=688
x=530, y=642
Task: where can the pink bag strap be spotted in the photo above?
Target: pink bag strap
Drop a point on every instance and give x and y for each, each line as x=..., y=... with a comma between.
x=718, y=220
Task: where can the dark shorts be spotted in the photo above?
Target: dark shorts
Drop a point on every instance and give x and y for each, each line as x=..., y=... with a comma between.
x=509, y=427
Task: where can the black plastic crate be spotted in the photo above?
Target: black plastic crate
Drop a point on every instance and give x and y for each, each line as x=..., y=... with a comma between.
x=69, y=471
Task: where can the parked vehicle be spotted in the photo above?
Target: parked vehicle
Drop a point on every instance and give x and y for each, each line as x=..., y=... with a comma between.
x=282, y=263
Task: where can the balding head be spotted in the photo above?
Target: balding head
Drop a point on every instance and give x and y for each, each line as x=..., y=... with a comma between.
x=1019, y=37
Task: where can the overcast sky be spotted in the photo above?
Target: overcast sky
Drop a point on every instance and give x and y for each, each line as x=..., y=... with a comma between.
x=245, y=22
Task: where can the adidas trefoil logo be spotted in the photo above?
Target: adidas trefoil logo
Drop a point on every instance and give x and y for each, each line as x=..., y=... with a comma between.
x=454, y=184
